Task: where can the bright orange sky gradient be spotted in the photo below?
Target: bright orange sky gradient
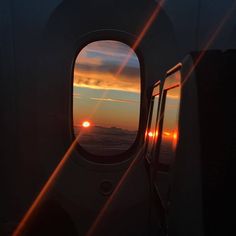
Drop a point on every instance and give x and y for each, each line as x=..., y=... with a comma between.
x=100, y=96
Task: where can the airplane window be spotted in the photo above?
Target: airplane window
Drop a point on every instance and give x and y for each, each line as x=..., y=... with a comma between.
x=152, y=132
x=170, y=125
x=106, y=97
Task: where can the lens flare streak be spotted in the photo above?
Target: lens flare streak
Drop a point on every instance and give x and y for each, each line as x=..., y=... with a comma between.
x=141, y=35
x=109, y=201
x=134, y=47
x=210, y=41
x=46, y=188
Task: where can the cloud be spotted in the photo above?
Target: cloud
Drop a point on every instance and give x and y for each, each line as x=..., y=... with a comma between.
x=98, y=63
x=84, y=60
x=106, y=82
x=114, y=100
x=103, y=78
x=107, y=48
x=108, y=67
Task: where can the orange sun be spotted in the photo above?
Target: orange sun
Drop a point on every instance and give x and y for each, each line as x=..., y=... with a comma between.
x=86, y=124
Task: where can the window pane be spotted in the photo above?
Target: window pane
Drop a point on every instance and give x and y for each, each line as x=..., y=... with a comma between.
x=106, y=94
x=152, y=132
x=170, y=126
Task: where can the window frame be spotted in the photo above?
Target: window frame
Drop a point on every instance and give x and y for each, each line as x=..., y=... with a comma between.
x=128, y=39
x=155, y=93
x=168, y=84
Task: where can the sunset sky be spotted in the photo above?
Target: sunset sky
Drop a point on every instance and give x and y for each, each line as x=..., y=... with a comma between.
x=102, y=96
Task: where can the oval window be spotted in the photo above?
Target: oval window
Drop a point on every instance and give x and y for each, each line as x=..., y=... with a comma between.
x=106, y=97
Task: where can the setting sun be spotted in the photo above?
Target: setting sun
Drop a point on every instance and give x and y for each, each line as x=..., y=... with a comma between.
x=86, y=124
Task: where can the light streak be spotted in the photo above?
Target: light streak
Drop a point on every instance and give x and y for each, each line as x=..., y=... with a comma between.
x=105, y=207
x=141, y=36
x=123, y=178
x=210, y=41
x=134, y=47
x=46, y=188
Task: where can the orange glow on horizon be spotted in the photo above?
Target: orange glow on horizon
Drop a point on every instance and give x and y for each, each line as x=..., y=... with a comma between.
x=175, y=140
x=175, y=135
x=170, y=135
x=166, y=133
x=86, y=124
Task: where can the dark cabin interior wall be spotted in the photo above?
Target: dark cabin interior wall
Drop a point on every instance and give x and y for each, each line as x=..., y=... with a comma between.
x=21, y=25
x=34, y=126
x=36, y=131
x=196, y=21
x=66, y=25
